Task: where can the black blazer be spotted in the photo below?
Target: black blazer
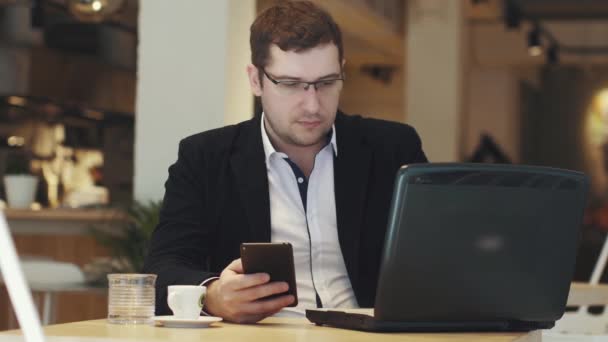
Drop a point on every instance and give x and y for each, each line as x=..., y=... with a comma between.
x=216, y=197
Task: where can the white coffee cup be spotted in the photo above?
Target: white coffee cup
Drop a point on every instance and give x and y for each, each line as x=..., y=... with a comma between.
x=186, y=301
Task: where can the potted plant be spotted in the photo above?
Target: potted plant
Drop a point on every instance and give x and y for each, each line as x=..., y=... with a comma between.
x=128, y=245
x=19, y=184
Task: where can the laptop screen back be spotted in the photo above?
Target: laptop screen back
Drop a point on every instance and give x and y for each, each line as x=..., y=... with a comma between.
x=470, y=242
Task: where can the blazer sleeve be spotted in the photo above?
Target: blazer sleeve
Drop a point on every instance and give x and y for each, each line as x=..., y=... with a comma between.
x=410, y=146
x=179, y=247
x=418, y=155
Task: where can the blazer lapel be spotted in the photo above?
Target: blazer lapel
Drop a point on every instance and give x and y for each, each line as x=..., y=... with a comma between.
x=249, y=170
x=351, y=173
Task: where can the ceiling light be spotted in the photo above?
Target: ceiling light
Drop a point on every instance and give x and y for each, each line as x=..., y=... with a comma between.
x=96, y=6
x=512, y=14
x=94, y=11
x=535, y=47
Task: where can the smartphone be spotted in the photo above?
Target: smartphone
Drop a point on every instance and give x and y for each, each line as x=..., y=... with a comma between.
x=274, y=258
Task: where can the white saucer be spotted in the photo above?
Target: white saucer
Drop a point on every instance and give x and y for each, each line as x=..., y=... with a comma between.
x=174, y=322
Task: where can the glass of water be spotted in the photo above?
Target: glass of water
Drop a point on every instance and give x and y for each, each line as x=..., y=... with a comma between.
x=131, y=298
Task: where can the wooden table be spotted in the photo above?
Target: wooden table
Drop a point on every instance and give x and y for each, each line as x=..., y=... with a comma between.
x=587, y=294
x=269, y=330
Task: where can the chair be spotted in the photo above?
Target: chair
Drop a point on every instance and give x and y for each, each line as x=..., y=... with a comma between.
x=46, y=277
x=583, y=295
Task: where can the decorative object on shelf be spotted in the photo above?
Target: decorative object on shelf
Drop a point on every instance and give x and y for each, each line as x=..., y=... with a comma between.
x=382, y=73
x=94, y=11
x=127, y=245
x=19, y=184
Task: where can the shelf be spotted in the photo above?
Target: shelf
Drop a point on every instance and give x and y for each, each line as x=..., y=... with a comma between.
x=93, y=215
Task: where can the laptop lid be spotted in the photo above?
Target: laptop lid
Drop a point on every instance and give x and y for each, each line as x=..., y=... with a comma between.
x=480, y=242
x=18, y=290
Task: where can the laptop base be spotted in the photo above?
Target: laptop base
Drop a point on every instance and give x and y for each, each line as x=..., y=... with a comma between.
x=355, y=321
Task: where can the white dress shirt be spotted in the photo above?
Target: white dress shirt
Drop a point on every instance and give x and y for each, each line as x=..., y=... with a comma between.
x=312, y=231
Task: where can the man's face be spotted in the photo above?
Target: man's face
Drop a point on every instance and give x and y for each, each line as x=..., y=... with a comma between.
x=295, y=116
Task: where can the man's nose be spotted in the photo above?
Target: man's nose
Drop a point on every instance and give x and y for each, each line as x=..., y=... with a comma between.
x=311, y=100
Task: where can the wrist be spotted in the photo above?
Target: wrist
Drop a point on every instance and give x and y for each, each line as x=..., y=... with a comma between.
x=210, y=294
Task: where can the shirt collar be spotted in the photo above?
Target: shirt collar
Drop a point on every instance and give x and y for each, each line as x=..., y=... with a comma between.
x=269, y=149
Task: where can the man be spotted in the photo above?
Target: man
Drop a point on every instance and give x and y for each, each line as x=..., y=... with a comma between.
x=303, y=172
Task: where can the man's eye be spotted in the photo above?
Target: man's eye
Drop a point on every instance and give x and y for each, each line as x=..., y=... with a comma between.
x=291, y=84
x=327, y=83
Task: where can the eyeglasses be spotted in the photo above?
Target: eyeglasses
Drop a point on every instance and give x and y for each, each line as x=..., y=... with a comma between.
x=330, y=86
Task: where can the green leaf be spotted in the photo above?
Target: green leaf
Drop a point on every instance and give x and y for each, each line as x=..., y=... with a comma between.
x=130, y=240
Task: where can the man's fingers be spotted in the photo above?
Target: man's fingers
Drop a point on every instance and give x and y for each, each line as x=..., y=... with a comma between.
x=267, y=307
x=238, y=297
x=254, y=293
x=243, y=281
x=236, y=266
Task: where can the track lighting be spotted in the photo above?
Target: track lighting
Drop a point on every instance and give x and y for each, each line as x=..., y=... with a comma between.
x=534, y=44
x=553, y=54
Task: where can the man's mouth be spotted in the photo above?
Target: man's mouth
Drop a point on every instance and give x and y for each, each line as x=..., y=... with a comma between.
x=309, y=124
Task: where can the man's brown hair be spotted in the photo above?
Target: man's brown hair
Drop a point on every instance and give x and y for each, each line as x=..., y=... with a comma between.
x=293, y=26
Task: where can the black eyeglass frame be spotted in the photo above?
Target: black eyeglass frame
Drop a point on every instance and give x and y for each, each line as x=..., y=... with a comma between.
x=308, y=84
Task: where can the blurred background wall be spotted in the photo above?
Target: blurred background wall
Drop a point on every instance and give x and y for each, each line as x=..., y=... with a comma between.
x=96, y=94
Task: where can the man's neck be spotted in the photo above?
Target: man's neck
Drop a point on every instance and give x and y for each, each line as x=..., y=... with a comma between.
x=303, y=156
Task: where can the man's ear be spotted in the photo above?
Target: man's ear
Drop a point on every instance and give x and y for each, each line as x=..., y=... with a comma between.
x=254, y=80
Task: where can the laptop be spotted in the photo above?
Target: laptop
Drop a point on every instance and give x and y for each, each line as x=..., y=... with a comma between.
x=474, y=247
x=18, y=290
x=21, y=297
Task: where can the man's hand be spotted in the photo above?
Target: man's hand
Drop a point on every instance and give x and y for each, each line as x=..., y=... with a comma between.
x=236, y=296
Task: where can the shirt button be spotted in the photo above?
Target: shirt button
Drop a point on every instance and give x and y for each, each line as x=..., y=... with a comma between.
x=300, y=180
